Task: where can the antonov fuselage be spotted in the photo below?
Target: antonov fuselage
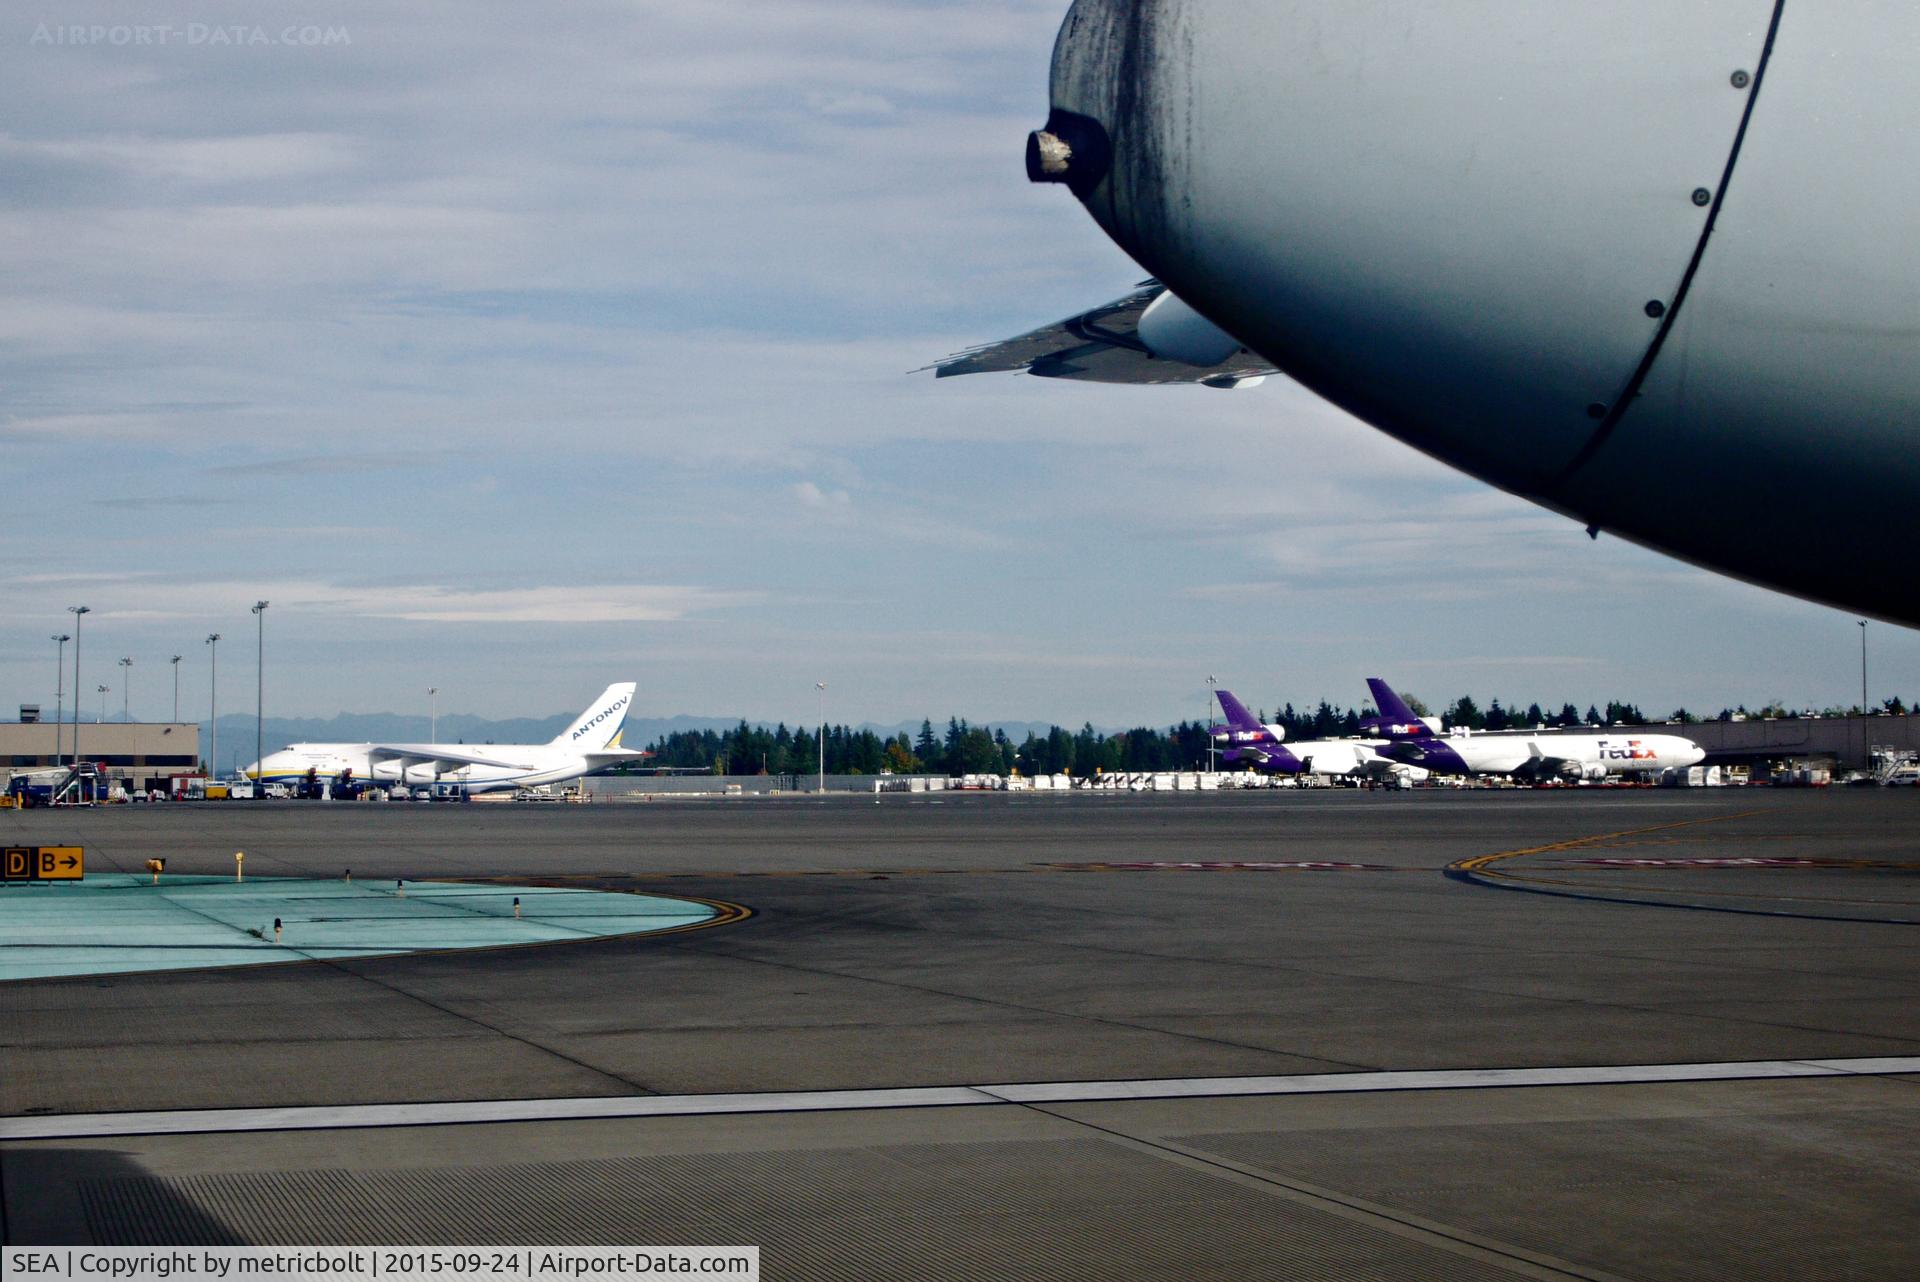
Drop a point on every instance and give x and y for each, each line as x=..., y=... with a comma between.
x=591, y=743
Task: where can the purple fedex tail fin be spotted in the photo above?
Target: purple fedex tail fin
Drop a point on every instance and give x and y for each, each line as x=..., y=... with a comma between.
x=1396, y=719
x=1392, y=706
x=1237, y=715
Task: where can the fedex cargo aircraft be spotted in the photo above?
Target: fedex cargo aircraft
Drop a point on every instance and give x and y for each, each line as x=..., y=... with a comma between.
x=1243, y=739
x=1649, y=265
x=591, y=743
x=1535, y=757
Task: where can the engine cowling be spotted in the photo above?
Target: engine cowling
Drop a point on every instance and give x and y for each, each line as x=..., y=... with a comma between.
x=1650, y=265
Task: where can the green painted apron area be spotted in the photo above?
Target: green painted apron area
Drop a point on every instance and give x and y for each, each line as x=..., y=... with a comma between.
x=115, y=923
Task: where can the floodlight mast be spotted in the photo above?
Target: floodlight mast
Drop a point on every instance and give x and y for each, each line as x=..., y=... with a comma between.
x=213, y=704
x=60, y=692
x=77, y=611
x=260, y=696
x=821, y=686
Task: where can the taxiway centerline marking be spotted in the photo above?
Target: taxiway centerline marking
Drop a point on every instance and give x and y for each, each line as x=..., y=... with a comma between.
x=1481, y=865
x=468, y=1112
x=1479, y=870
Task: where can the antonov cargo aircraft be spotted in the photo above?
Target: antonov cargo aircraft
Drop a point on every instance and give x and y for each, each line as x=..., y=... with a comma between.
x=1245, y=740
x=1650, y=265
x=591, y=743
x=1534, y=757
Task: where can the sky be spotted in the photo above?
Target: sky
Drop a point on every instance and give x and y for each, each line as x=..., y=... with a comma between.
x=514, y=350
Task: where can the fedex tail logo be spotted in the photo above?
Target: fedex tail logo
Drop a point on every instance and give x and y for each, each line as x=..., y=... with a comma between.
x=601, y=715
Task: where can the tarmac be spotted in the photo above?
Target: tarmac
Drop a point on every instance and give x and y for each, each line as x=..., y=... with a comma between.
x=1579, y=1033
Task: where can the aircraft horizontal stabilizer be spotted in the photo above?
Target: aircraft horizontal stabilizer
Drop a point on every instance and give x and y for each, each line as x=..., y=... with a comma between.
x=613, y=752
x=1147, y=336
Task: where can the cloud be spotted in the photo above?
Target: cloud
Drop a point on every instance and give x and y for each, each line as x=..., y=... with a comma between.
x=838, y=103
x=1503, y=661
x=614, y=603
x=318, y=464
x=812, y=496
x=151, y=598
x=219, y=159
x=164, y=502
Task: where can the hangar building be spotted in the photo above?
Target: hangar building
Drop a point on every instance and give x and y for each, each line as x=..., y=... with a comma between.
x=138, y=754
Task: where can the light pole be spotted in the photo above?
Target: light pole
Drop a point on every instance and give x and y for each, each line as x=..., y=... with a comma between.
x=213, y=703
x=433, y=714
x=175, y=661
x=821, y=686
x=1207, y=720
x=126, y=689
x=260, y=693
x=1863, y=667
x=103, y=704
x=76, y=611
x=60, y=693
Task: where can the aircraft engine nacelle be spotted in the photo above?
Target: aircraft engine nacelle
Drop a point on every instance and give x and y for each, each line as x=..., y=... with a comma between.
x=1591, y=771
x=1174, y=331
x=412, y=774
x=1655, y=266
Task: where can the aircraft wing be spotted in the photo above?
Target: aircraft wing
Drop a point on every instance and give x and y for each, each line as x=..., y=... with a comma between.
x=449, y=754
x=611, y=754
x=1546, y=765
x=1147, y=336
x=1254, y=753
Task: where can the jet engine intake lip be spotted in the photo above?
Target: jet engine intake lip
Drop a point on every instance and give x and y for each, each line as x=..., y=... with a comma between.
x=1071, y=149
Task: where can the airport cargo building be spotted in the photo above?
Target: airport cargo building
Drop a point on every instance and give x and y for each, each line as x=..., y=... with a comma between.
x=1851, y=742
x=138, y=754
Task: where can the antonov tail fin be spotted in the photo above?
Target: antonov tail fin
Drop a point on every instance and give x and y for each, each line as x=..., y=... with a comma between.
x=600, y=725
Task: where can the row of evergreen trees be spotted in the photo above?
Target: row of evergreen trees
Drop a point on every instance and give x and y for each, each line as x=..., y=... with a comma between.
x=969, y=749
x=964, y=749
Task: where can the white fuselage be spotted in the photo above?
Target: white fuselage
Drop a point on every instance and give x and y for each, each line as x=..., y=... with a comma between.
x=1268, y=748
x=528, y=765
x=1336, y=756
x=1575, y=756
x=590, y=743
